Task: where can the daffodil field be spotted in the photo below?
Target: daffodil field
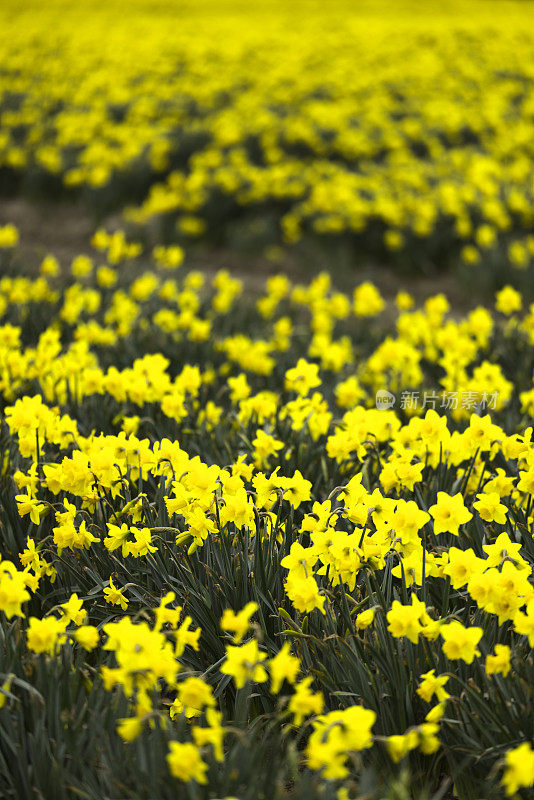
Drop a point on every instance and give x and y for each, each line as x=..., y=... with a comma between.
x=227, y=570
x=269, y=543
x=406, y=134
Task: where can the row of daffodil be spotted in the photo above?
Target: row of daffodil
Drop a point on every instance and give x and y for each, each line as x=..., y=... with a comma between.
x=201, y=114
x=199, y=530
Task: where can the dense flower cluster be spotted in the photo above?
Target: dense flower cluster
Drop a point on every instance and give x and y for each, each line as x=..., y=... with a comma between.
x=192, y=117
x=208, y=516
